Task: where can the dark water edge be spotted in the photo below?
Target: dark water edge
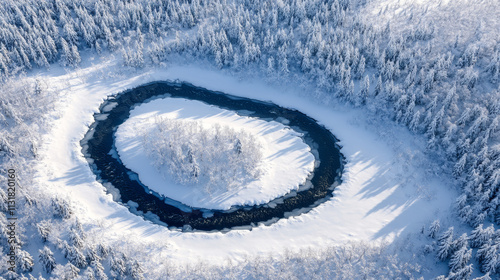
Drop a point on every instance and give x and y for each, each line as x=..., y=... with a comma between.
x=99, y=141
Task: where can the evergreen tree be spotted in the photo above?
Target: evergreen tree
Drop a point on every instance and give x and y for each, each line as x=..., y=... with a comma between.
x=360, y=69
x=445, y=244
x=135, y=270
x=62, y=208
x=75, y=56
x=24, y=261
x=76, y=257
x=75, y=238
x=460, y=242
x=434, y=229
x=460, y=166
x=378, y=86
x=89, y=274
x=47, y=259
x=463, y=273
x=99, y=270
x=103, y=250
x=44, y=230
x=488, y=258
x=92, y=255
x=364, y=91
x=118, y=267
x=459, y=259
x=71, y=271
x=480, y=236
x=415, y=122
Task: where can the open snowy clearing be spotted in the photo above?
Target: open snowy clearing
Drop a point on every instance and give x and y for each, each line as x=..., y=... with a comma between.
x=386, y=192
x=287, y=160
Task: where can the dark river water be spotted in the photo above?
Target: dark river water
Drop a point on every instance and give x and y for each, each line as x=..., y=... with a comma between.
x=98, y=147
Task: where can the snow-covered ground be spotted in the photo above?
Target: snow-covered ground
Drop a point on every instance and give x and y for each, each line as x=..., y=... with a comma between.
x=386, y=192
x=287, y=160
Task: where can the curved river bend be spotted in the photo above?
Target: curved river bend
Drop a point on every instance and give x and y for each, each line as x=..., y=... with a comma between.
x=99, y=141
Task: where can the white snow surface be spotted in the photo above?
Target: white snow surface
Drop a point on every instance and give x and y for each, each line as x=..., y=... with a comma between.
x=287, y=160
x=387, y=190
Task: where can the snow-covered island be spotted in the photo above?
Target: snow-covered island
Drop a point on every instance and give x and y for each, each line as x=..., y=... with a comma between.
x=208, y=157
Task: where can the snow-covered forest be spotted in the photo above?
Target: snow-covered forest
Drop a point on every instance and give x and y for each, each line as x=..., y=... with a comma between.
x=444, y=91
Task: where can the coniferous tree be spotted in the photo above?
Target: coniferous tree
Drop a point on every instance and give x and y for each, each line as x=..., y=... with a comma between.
x=47, y=259
x=459, y=259
x=463, y=273
x=71, y=271
x=460, y=242
x=445, y=244
x=75, y=238
x=24, y=261
x=434, y=229
x=135, y=270
x=364, y=91
x=460, y=166
x=118, y=267
x=89, y=274
x=99, y=270
x=488, y=258
x=62, y=208
x=480, y=236
x=415, y=122
x=76, y=257
x=92, y=255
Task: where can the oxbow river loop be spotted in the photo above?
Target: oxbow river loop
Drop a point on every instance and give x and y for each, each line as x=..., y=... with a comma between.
x=98, y=148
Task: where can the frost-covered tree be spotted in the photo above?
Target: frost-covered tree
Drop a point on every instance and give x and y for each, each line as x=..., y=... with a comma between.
x=75, y=239
x=434, y=229
x=98, y=270
x=480, y=236
x=76, y=257
x=460, y=259
x=91, y=254
x=103, y=250
x=464, y=272
x=44, y=230
x=89, y=274
x=62, y=208
x=488, y=259
x=24, y=261
x=47, y=260
x=415, y=122
x=71, y=271
x=460, y=242
x=460, y=166
x=364, y=91
x=445, y=244
x=118, y=266
x=135, y=270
